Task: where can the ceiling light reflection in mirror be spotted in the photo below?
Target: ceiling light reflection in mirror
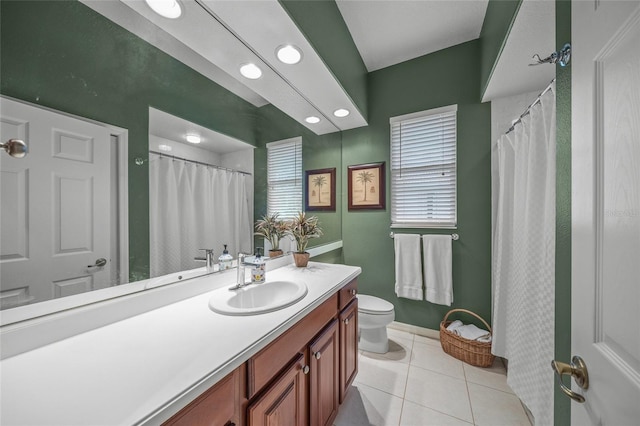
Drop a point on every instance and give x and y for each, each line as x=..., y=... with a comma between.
x=289, y=54
x=341, y=112
x=251, y=71
x=168, y=8
x=191, y=138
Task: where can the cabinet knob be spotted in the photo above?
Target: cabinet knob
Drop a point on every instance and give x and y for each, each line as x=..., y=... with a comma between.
x=353, y=291
x=305, y=369
x=317, y=355
x=346, y=320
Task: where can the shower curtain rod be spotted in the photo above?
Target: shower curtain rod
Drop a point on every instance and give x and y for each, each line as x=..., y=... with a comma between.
x=528, y=109
x=162, y=154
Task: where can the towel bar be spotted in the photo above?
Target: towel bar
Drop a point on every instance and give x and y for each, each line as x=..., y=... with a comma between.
x=454, y=237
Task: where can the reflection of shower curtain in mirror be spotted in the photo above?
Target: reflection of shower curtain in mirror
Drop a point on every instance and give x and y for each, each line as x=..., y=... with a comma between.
x=524, y=255
x=191, y=207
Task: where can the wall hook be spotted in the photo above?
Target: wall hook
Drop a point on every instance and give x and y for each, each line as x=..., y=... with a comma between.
x=562, y=57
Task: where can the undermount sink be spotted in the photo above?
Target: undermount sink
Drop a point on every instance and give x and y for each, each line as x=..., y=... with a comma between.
x=257, y=298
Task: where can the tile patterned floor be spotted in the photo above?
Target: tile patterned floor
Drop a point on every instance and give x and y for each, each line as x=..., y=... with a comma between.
x=417, y=384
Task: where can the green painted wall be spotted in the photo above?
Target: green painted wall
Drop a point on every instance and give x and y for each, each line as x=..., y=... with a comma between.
x=495, y=30
x=443, y=78
x=318, y=152
x=63, y=55
x=562, y=404
x=322, y=24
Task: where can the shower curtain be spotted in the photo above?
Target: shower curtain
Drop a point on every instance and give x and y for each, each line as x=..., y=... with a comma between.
x=524, y=255
x=193, y=206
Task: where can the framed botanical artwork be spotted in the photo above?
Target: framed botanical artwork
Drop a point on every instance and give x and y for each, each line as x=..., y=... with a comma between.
x=366, y=186
x=320, y=190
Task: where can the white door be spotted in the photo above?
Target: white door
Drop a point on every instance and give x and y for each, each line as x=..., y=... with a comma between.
x=606, y=209
x=55, y=206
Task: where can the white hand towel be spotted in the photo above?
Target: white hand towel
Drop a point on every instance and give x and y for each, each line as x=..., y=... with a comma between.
x=408, y=273
x=438, y=274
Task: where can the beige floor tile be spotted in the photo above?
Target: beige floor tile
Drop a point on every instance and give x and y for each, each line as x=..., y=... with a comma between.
x=369, y=407
x=493, y=407
x=433, y=358
x=417, y=415
x=438, y=389
x=426, y=340
x=494, y=377
x=399, y=351
x=392, y=332
x=439, y=392
x=382, y=374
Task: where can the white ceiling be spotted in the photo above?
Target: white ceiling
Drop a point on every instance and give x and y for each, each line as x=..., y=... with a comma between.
x=386, y=32
x=390, y=32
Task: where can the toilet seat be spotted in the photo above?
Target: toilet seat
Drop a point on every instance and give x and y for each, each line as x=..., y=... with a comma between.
x=373, y=305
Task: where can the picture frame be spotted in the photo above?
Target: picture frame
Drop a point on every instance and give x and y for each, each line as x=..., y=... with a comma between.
x=366, y=186
x=320, y=190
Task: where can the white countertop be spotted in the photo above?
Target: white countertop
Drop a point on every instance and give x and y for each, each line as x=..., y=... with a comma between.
x=143, y=369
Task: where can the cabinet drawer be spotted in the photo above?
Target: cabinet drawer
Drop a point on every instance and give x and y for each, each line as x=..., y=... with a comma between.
x=347, y=294
x=264, y=366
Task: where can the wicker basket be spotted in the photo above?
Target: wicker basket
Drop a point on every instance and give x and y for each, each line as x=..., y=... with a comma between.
x=470, y=351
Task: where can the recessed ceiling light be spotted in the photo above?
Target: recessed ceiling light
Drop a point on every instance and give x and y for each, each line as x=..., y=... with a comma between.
x=251, y=71
x=168, y=8
x=341, y=112
x=312, y=119
x=288, y=54
x=193, y=138
x=165, y=148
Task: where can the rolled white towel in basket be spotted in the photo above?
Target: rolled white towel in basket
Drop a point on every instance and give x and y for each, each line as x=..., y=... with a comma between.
x=471, y=332
x=454, y=325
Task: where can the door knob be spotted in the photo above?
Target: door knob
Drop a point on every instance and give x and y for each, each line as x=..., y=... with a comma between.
x=305, y=369
x=576, y=369
x=317, y=355
x=99, y=263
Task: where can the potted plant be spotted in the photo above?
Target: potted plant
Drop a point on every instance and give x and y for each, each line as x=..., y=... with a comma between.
x=273, y=229
x=302, y=228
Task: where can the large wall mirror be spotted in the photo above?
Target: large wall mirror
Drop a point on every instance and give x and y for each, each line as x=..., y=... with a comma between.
x=65, y=60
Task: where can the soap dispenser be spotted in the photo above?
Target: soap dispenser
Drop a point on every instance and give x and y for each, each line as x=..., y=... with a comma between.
x=258, y=274
x=225, y=259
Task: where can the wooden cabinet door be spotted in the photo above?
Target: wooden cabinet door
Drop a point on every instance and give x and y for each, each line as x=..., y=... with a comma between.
x=348, y=347
x=284, y=403
x=220, y=405
x=325, y=367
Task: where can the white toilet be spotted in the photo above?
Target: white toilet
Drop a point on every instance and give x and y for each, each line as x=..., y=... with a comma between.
x=374, y=315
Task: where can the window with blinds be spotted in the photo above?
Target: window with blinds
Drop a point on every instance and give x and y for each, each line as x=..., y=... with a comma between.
x=284, y=177
x=423, y=169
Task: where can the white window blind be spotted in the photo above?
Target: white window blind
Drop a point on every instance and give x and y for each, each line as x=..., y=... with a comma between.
x=423, y=169
x=284, y=177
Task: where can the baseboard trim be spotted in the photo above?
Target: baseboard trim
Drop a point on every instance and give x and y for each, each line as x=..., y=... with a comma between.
x=420, y=331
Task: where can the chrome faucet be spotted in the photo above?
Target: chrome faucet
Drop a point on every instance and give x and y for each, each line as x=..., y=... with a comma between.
x=240, y=277
x=208, y=259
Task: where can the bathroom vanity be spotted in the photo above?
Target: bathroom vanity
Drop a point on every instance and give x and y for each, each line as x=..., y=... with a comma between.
x=183, y=364
x=302, y=376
